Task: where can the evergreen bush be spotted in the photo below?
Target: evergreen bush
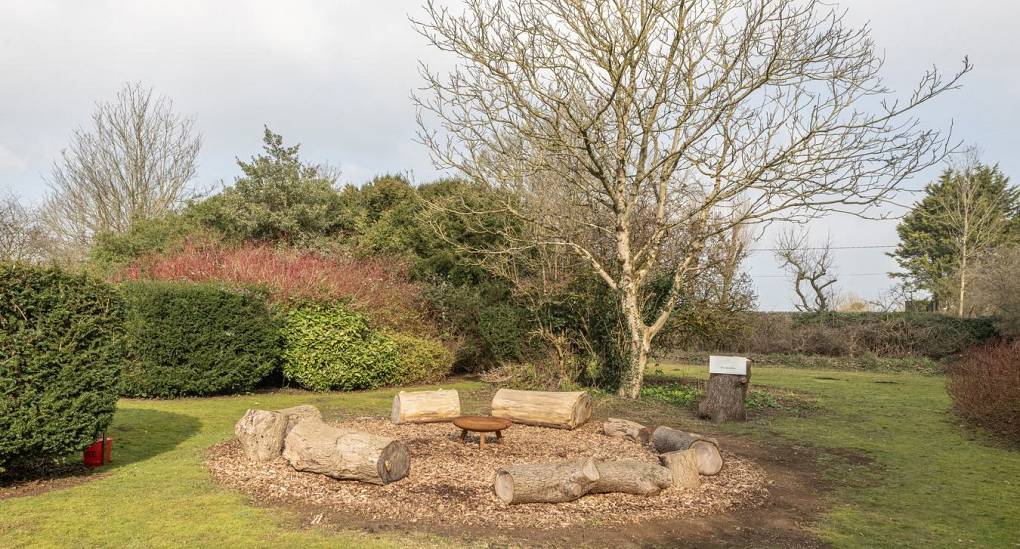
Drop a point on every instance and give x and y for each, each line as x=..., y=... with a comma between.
x=61, y=353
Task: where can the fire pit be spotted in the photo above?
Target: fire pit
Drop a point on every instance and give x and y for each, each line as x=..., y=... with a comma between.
x=481, y=425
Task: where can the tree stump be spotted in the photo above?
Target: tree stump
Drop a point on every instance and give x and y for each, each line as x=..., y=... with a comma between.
x=345, y=454
x=724, y=397
x=545, y=482
x=706, y=449
x=261, y=432
x=558, y=409
x=683, y=468
x=630, y=430
x=631, y=476
x=425, y=406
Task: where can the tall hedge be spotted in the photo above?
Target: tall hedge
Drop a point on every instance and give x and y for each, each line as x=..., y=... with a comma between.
x=197, y=339
x=61, y=354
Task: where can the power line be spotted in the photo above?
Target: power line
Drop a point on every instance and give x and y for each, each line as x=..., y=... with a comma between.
x=837, y=275
x=874, y=247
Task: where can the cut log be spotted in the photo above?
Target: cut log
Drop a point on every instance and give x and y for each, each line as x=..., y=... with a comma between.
x=724, y=397
x=630, y=476
x=561, y=410
x=345, y=454
x=425, y=406
x=261, y=432
x=683, y=468
x=668, y=440
x=623, y=428
x=545, y=482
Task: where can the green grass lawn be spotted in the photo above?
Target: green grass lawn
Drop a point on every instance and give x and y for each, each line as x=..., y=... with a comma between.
x=931, y=482
x=928, y=484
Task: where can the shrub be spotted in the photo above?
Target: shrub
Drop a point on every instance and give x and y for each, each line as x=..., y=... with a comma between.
x=197, y=339
x=985, y=387
x=61, y=353
x=421, y=360
x=333, y=348
x=291, y=276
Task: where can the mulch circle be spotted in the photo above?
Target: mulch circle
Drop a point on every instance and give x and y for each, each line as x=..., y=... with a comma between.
x=450, y=483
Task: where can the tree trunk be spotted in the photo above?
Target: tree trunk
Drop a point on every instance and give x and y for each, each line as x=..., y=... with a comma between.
x=546, y=482
x=631, y=476
x=623, y=428
x=683, y=468
x=558, y=409
x=345, y=454
x=425, y=406
x=709, y=460
x=724, y=397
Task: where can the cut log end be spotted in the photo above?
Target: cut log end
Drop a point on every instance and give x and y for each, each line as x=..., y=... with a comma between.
x=425, y=406
x=394, y=462
x=666, y=440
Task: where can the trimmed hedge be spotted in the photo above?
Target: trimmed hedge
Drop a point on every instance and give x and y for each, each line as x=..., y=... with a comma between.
x=333, y=348
x=61, y=353
x=197, y=339
x=421, y=360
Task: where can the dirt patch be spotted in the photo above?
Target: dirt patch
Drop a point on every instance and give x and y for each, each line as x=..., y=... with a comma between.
x=450, y=483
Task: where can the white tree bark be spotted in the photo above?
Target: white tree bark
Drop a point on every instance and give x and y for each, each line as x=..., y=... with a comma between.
x=558, y=409
x=425, y=406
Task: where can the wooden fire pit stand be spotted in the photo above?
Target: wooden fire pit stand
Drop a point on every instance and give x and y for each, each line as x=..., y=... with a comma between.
x=481, y=425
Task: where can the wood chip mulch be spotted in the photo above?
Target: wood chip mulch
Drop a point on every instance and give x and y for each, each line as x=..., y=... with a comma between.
x=450, y=483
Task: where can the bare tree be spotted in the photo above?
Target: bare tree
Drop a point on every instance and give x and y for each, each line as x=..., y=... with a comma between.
x=641, y=123
x=134, y=162
x=974, y=213
x=21, y=234
x=812, y=268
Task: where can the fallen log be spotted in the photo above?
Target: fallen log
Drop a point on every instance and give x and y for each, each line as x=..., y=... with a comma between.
x=683, y=468
x=345, y=454
x=425, y=406
x=631, y=476
x=559, y=409
x=261, y=432
x=668, y=440
x=630, y=430
x=545, y=482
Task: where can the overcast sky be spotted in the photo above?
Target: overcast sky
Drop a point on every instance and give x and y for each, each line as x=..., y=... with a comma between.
x=336, y=75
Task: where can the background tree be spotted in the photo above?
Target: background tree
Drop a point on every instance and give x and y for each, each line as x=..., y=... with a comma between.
x=812, y=268
x=965, y=214
x=278, y=198
x=995, y=288
x=623, y=130
x=22, y=236
x=133, y=163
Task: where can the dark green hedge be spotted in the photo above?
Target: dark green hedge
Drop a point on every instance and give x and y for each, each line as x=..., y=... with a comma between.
x=197, y=339
x=61, y=353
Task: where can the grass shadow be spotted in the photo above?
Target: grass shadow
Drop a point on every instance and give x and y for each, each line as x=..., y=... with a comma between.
x=141, y=433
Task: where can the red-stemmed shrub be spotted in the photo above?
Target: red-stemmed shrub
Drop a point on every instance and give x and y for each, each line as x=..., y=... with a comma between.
x=378, y=286
x=985, y=387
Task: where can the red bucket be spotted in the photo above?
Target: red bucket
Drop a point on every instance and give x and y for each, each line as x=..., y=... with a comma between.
x=99, y=452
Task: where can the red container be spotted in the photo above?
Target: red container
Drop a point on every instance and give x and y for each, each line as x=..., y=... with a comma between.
x=99, y=452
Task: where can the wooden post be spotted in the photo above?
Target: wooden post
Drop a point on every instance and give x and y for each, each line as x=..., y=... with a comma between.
x=725, y=393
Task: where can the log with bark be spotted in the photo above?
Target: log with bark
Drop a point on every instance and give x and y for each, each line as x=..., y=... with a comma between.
x=559, y=409
x=668, y=440
x=545, y=482
x=345, y=454
x=425, y=406
x=724, y=397
x=683, y=468
x=630, y=430
x=631, y=476
x=262, y=432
